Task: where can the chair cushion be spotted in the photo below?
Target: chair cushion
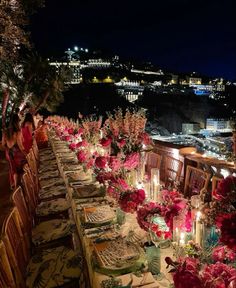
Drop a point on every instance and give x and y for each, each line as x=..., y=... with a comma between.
x=52, y=192
x=51, y=230
x=45, y=184
x=52, y=207
x=54, y=267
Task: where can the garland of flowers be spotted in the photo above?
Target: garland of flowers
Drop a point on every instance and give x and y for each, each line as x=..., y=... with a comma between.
x=145, y=214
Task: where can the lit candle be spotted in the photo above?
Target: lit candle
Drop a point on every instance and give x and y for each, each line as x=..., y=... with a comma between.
x=155, y=188
x=198, y=232
x=182, y=239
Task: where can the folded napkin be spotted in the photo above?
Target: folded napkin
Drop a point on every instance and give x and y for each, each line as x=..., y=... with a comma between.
x=145, y=281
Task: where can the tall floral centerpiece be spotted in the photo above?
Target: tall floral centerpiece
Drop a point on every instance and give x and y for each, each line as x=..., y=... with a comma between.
x=127, y=136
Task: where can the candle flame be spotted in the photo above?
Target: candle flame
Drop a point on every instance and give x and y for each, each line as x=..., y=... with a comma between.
x=198, y=215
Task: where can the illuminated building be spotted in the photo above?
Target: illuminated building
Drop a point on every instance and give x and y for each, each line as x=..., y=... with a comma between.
x=131, y=90
x=217, y=124
x=190, y=128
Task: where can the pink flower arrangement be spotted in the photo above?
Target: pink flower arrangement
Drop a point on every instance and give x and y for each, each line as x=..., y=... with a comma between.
x=218, y=275
x=175, y=204
x=188, y=273
x=131, y=199
x=223, y=253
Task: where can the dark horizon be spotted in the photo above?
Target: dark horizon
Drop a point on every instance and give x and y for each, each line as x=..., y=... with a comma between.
x=171, y=35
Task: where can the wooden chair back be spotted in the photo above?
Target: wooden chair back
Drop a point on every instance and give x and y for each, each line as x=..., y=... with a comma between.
x=153, y=160
x=29, y=194
x=172, y=171
x=19, y=201
x=16, y=246
x=196, y=180
x=6, y=275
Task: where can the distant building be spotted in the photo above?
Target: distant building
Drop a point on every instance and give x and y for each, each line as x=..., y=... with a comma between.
x=190, y=128
x=217, y=124
x=75, y=67
x=131, y=90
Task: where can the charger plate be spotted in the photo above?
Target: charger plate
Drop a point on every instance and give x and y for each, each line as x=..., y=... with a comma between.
x=117, y=256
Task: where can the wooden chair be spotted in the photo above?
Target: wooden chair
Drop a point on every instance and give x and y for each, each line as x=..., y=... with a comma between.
x=54, y=267
x=172, y=171
x=153, y=160
x=50, y=233
x=6, y=276
x=196, y=181
x=16, y=246
x=45, y=210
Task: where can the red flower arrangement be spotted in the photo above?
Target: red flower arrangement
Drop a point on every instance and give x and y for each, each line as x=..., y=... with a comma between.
x=227, y=225
x=188, y=273
x=131, y=199
x=218, y=275
x=144, y=218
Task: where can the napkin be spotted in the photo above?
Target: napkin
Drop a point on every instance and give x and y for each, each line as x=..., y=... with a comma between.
x=146, y=281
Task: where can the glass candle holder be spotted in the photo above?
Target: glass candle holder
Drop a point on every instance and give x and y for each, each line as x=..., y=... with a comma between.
x=155, y=184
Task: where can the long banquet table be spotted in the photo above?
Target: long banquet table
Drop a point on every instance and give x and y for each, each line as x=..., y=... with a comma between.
x=96, y=277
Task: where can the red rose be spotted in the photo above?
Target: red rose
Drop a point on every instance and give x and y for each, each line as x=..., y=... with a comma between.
x=82, y=144
x=101, y=162
x=72, y=146
x=121, y=143
x=71, y=131
x=105, y=142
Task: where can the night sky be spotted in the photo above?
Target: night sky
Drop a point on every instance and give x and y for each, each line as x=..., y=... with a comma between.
x=180, y=35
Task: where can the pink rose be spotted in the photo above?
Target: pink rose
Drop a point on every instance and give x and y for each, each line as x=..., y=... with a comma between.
x=131, y=161
x=114, y=163
x=81, y=156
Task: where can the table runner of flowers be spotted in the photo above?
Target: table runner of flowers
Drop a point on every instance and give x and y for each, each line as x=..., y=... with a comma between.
x=113, y=149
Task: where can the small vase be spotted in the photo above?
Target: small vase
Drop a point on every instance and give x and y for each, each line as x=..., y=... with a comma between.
x=120, y=216
x=153, y=256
